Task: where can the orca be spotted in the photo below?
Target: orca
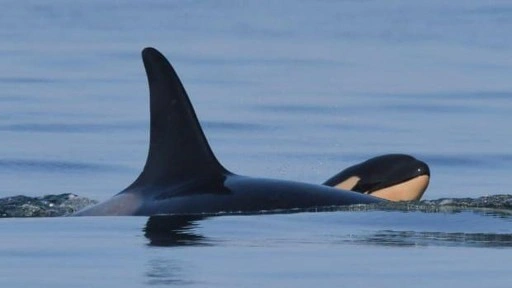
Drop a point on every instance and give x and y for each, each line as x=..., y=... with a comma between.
x=182, y=175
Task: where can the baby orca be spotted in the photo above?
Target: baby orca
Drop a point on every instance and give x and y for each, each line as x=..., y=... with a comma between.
x=396, y=177
x=182, y=175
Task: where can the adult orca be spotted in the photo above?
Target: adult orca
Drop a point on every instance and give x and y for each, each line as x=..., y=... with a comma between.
x=183, y=176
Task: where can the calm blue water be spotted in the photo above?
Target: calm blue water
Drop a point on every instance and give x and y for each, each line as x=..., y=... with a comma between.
x=361, y=249
x=290, y=89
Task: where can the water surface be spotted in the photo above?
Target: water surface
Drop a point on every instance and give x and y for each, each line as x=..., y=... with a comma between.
x=292, y=89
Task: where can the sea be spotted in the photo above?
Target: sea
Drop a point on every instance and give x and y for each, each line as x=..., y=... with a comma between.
x=295, y=90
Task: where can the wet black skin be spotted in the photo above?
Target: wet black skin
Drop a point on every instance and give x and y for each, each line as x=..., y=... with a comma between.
x=182, y=175
x=381, y=172
x=244, y=194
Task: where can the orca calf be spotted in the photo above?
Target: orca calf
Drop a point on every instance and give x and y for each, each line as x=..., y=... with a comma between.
x=182, y=175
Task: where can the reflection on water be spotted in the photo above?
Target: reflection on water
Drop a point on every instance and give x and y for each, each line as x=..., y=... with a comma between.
x=421, y=238
x=166, y=272
x=182, y=230
x=502, y=214
x=173, y=230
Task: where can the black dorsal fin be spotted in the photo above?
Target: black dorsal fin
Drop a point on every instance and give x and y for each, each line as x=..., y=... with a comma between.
x=178, y=149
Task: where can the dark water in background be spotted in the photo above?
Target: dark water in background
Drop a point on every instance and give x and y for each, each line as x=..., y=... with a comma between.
x=294, y=90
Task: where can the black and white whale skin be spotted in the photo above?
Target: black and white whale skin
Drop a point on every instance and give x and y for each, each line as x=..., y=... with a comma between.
x=182, y=175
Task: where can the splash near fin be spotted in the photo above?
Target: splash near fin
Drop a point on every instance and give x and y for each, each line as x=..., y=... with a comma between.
x=178, y=149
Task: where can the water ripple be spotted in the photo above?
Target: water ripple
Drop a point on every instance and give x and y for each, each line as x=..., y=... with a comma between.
x=71, y=128
x=26, y=80
x=483, y=160
x=52, y=166
x=301, y=108
x=232, y=126
x=423, y=238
